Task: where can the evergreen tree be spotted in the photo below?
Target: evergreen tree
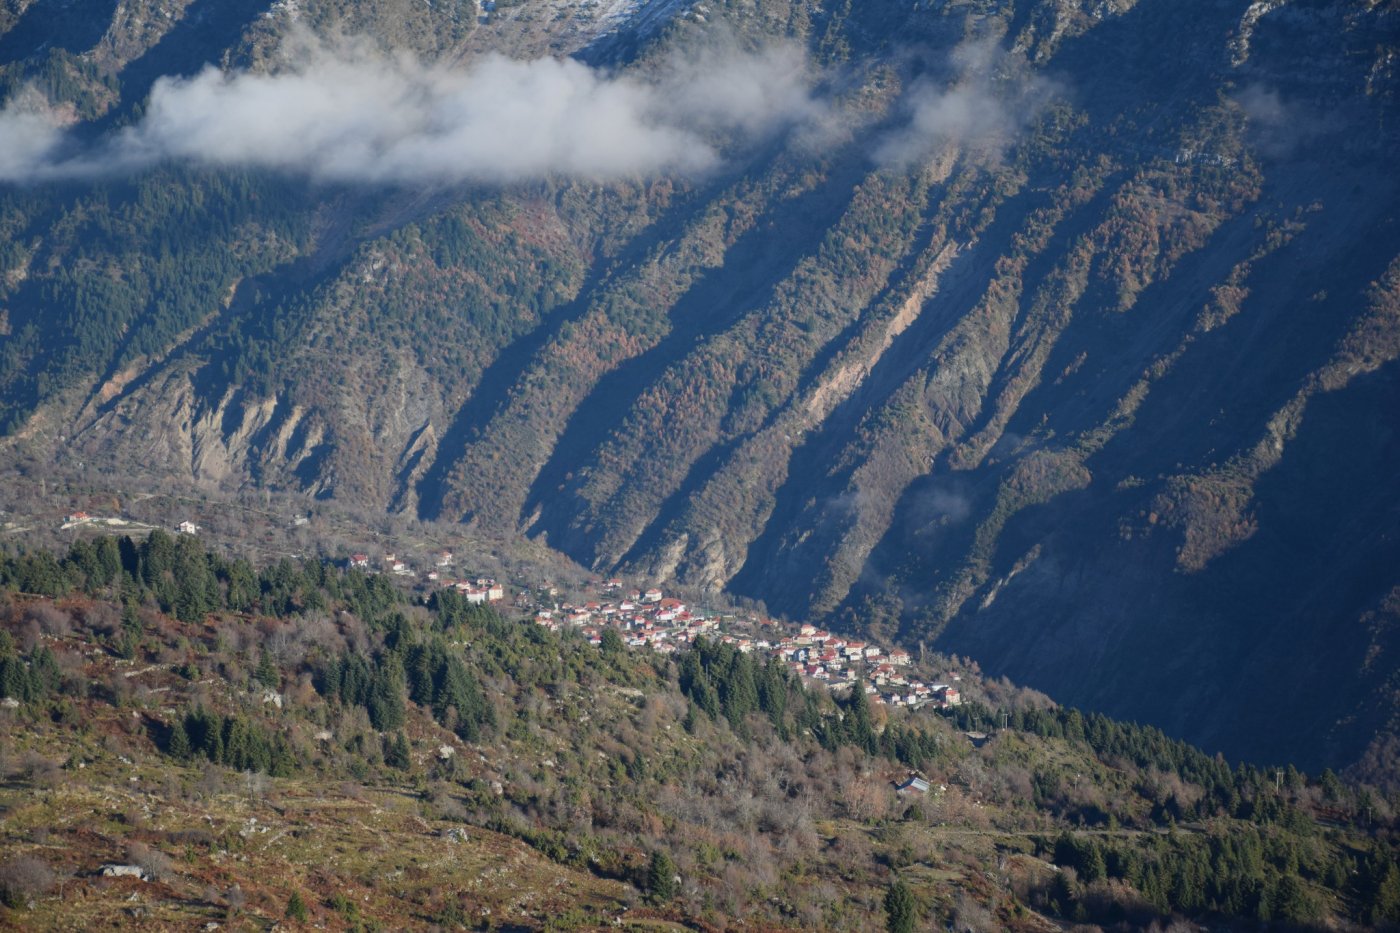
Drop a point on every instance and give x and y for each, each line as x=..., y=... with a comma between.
x=706, y=698
x=386, y=695
x=418, y=671
x=157, y=559
x=661, y=877
x=457, y=690
x=859, y=725
x=296, y=908
x=738, y=689
x=1062, y=894
x=109, y=561
x=179, y=744
x=44, y=673
x=14, y=678
x=396, y=753
x=1093, y=868
x=773, y=692
x=1385, y=895
x=267, y=673
x=131, y=615
x=83, y=565
x=241, y=587
x=1292, y=901
x=901, y=913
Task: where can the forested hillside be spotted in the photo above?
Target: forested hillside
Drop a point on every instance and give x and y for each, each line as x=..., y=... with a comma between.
x=192, y=739
x=1058, y=334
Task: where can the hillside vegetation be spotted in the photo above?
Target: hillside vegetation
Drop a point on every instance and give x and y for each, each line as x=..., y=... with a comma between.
x=297, y=742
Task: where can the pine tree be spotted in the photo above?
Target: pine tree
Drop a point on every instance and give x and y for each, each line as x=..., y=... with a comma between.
x=131, y=616
x=242, y=593
x=44, y=672
x=419, y=674
x=1292, y=902
x=109, y=560
x=396, y=753
x=179, y=744
x=1093, y=867
x=14, y=678
x=772, y=693
x=386, y=695
x=661, y=877
x=455, y=689
x=1385, y=901
x=266, y=673
x=862, y=731
x=1061, y=894
x=900, y=909
x=738, y=689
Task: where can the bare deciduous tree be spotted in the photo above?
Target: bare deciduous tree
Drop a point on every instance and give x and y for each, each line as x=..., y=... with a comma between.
x=24, y=878
x=155, y=863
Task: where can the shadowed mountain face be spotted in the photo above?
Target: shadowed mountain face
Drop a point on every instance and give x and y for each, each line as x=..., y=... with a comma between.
x=1057, y=334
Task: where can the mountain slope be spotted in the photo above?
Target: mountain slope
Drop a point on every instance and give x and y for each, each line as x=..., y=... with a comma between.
x=195, y=739
x=1061, y=335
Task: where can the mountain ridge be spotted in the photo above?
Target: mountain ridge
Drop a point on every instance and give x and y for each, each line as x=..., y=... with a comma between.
x=1089, y=332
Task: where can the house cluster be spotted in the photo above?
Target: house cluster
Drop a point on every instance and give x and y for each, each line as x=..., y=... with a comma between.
x=840, y=663
x=479, y=590
x=643, y=618
x=650, y=619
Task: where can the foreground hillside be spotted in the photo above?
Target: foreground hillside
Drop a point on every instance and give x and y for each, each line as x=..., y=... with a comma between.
x=1041, y=331
x=315, y=746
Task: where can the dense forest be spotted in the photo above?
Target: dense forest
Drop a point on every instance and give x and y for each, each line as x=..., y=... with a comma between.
x=710, y=787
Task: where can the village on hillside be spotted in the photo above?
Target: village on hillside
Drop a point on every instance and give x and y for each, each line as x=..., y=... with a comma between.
x=649, y=619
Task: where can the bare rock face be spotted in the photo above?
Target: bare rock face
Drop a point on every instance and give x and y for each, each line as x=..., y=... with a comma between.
x=1065, y=338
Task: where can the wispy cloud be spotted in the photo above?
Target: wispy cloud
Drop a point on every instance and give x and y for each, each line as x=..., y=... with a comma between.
x=986, y=101
x=30, y=136
x=722, y=90
x=1277, y=127
x=346, y=112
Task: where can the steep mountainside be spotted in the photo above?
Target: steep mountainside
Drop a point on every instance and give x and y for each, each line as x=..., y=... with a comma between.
x=1059, y=334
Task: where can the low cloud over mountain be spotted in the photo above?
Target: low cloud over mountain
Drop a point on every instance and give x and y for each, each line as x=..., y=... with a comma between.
x=346, y=112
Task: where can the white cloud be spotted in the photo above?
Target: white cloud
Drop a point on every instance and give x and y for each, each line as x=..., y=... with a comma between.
x=347, y=113
x=989, y=100
x=30, y=135
x=1278, y=127
x=756, y=93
